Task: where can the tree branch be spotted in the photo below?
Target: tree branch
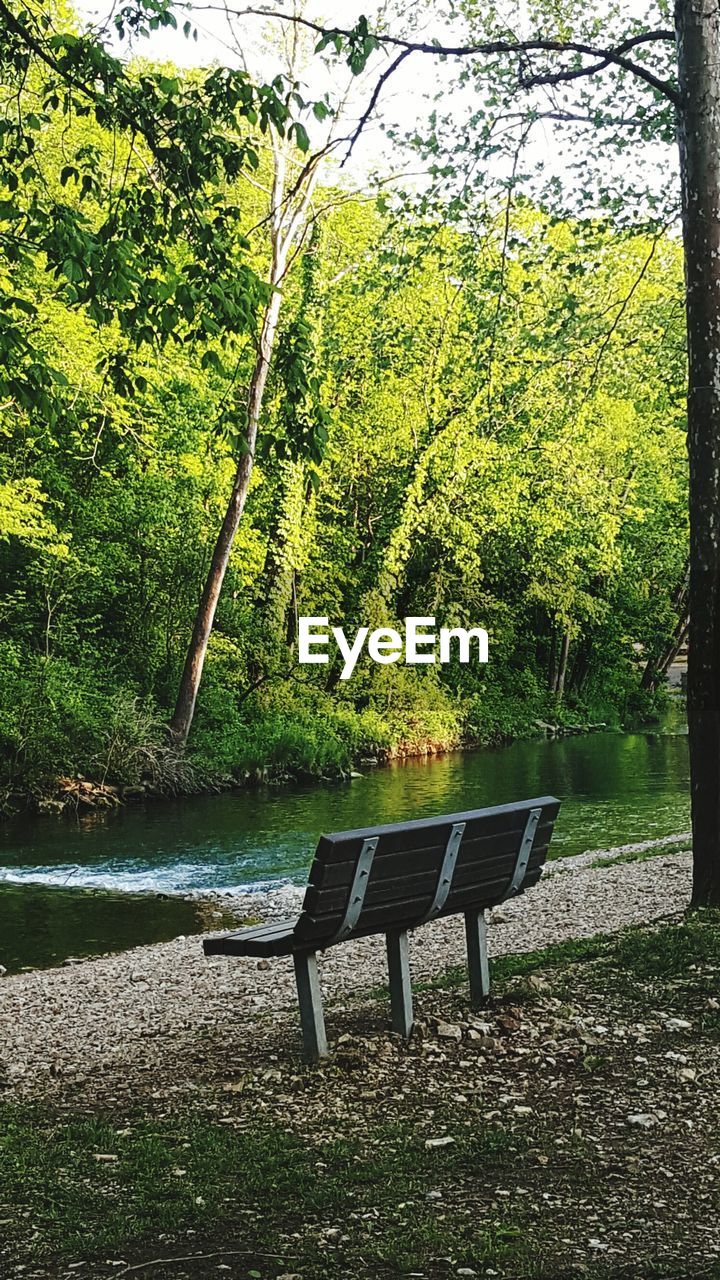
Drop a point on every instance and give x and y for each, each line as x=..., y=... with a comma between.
x=389, y=71
x=604, y=57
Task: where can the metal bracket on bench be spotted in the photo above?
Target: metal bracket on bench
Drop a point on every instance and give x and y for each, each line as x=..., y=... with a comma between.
x=447, y=872
x=358, y=887
x=523, y=856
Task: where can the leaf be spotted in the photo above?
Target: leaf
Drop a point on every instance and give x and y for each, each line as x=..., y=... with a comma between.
x=211, y=360
x=301, y=136
x=72, y=270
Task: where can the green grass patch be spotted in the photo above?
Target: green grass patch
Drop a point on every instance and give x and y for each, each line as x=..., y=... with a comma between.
x=561, y=955
x=87, y=1186
x=642, y=855
x=669, y=951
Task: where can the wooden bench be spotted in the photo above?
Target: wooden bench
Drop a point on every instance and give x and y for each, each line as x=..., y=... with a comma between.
x=395, y=878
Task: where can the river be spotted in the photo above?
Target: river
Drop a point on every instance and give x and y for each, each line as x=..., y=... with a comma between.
x=74, y=888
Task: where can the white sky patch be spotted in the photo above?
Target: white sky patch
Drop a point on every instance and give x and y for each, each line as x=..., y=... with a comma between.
x=406, y=100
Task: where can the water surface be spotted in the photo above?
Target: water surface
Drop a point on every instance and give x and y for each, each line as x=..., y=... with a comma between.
x=78, y=887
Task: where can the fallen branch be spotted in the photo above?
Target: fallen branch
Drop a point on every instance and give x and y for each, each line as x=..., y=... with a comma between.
x=203, y=1257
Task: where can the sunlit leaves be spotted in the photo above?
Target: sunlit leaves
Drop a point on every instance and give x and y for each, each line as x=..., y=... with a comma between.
x=109, y=222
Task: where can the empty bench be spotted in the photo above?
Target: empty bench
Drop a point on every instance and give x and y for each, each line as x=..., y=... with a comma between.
x=392, y=879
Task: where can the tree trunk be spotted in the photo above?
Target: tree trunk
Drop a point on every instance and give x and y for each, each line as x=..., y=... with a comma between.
x=657, y=665
x=562, y=665
x=581, y=664
x=552, y=661
x=680, y=636
x=205, y=616
x=289, y=539
x=698, y=42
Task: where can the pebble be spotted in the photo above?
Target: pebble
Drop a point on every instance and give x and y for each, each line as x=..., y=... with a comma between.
x=448, y=1031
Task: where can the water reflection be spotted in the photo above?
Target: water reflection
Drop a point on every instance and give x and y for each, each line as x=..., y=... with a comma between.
x=615, y=789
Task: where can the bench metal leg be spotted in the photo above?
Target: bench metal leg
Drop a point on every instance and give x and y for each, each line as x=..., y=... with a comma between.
x=400, y=989
x=310, y=1001
x=478, y=963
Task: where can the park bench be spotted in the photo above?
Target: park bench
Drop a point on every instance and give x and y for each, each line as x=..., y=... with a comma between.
x=392, y=879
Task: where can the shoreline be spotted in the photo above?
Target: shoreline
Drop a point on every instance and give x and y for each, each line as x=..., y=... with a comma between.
x=120, y=1024
x=231, y=907
x=71, y=796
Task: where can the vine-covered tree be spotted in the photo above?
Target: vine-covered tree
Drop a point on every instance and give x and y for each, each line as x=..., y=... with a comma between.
x=629, y=80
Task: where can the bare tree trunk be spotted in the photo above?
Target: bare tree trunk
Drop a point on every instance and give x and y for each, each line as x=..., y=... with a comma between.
x=657, y=665
x=657, y=668
x=205, y=616
x=698, y=42
x=552, y=669
x=291, y=531
x=680, y=636
x=288, y=217
x=562, y=665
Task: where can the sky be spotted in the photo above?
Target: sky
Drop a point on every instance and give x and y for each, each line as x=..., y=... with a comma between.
x=406, y=100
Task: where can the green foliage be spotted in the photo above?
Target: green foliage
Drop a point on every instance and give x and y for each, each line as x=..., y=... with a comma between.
x=473, y=413
x=57, y=717
x=289, y=732
x=141, y=159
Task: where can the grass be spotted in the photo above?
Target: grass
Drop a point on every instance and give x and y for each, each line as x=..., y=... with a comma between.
x=328, y=1175
x=70, y=1185
x=685, y=956
x=642, y=855
x=522, y=964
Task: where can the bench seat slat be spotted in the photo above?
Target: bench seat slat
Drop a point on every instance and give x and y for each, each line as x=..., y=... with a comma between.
x=257, y=940
x=264, y=930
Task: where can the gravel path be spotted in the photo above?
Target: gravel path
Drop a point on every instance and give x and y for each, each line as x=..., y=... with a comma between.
x=161, y=1019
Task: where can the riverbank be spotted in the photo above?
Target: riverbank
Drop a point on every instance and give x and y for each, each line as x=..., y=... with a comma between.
x=155, y=1118
x=327, y=748
x=115, y=1025
x=77, y=795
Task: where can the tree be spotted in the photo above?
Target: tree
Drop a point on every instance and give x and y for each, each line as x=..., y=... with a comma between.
x=181, y=143
x=291, y=218
x=437, y=493
x=499, y=388
x=108, y=227
x=642, y=55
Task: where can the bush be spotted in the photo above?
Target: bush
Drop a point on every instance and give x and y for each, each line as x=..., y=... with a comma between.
x=60, y=719
x=283, y=730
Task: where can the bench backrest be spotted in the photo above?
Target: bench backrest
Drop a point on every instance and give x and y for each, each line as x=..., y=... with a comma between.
x=394, y=877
